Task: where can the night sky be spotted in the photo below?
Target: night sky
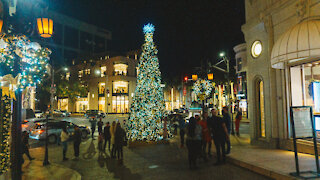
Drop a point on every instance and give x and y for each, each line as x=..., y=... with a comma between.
x=187, y=31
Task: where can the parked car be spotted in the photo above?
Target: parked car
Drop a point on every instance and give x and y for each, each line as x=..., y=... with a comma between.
x=61, y=113
x=65, y=113
x=101, y=114
x=94, y=114
x=28, y=124
x=38, y=114
x=38, y=132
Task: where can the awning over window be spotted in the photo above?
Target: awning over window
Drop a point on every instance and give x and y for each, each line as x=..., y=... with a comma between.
x=299, y=44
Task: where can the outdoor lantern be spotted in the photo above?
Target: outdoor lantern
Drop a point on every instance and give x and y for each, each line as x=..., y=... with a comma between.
x=1, y=24
x=45, y=27
x=210, y=76
x=194, y=77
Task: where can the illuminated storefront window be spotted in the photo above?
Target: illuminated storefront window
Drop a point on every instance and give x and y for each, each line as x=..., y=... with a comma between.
x=120, y=69
x=120, y=104
x=81, y=104
x=120, y=87
x=103, y=71
x=305, y=86
x=80, y=74
x=261, y=110
x=63, y=104
x=68, y=76
x=102, y=88
x=87, y=71
x=102, y=103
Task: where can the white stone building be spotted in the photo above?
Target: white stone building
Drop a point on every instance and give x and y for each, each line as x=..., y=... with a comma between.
x=283, y=55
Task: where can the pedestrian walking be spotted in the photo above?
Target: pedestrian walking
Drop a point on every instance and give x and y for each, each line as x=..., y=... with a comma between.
x=237, y=121
x=193, y=142
x=25, y=145
x=100, y=125
x=112, y=133
x=107, y=136
x=220, y=136
x=227, y=121
x=77, y=135
x=93, y=122
x=210, y=129
x=64, y=140
x=182, y=125
x=120, y=138
x=206, y=137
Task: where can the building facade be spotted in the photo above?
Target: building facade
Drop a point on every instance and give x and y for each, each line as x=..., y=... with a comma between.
x=110, y=83
x=283, y=53
x=241, y=74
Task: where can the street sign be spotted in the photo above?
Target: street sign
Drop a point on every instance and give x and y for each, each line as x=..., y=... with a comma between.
x=53, y=90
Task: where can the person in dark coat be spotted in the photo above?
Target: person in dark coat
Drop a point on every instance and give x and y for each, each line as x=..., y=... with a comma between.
x=237, y=122
x=76, y=141
x=227, y=121
x=220, y=136
x=25, y=145
x=93, y=122
x=107, y=136
x=182, y=125
x=120, y=136
x=100, y=125
x=193, y=142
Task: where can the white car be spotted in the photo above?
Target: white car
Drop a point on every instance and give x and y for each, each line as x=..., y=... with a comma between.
x=28, y=124
x=38, y=113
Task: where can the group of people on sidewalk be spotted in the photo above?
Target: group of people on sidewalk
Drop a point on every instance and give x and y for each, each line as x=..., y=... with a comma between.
x=113, y=135
x=200, y=133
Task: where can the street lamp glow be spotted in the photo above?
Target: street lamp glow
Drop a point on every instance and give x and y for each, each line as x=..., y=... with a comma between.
x=222, y=54
x=66, y=69
x=97, y=72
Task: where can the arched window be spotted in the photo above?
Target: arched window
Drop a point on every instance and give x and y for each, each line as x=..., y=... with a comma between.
x=260, y=111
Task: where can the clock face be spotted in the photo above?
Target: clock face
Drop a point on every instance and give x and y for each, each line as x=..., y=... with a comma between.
x=256, y=49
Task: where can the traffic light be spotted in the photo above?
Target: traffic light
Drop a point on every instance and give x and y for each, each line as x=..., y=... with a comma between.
x=186, y=78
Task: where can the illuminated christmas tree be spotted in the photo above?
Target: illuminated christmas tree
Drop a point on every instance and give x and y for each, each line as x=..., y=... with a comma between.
x=148, y=103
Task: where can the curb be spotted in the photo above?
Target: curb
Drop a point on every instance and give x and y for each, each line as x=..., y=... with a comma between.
x=260, y=170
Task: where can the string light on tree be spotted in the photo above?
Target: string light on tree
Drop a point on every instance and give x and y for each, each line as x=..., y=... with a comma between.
x=5, y=113
x=148, y=103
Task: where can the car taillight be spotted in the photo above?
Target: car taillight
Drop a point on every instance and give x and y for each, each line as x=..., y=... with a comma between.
x=40, y=131
x=24, y=125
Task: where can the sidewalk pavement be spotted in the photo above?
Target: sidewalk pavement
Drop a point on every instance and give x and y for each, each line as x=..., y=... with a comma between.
x=34, y=170
x=273, y=163
x=154, y=162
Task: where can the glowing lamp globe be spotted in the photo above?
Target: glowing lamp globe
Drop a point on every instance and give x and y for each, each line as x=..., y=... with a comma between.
x=45, y=27
x=210, y=76
x=194, y=77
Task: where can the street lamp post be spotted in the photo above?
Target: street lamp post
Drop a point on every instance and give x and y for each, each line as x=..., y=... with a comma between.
x=227, y=71
x=11, y=18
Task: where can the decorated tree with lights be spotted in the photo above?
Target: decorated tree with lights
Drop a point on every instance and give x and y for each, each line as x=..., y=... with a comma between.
x=148, y=104
x=33, y=62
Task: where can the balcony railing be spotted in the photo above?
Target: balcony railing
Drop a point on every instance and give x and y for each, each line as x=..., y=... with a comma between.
x=119, y=73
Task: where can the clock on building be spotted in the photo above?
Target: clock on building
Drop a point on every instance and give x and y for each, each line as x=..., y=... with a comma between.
x=256, y=49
